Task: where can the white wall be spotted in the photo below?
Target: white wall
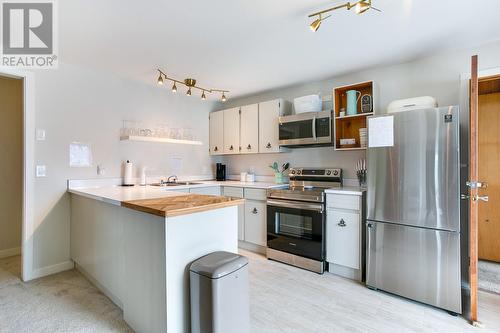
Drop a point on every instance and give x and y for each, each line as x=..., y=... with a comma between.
x=11, y=165
x=436, y=75
x=75, y=104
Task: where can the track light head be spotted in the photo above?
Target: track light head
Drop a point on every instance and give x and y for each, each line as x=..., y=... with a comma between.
x=315, y=24
x=362, y=6
x=188, y=92
x=160, y=79
x=174, y=88
x=223, y=98
x=203, y=96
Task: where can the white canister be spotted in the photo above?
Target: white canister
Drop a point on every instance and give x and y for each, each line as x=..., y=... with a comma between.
x=243, y=176
x=250, y=177
x=128, y=176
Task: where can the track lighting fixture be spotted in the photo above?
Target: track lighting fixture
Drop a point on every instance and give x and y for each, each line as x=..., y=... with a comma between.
x=360, y=7
x=190, y=84
x=316, y=23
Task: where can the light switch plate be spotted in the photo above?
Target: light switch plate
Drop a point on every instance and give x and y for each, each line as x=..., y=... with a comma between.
x=41, y=171
x=40, y=135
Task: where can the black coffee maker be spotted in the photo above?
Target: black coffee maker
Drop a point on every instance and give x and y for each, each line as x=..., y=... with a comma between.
x=220, y=172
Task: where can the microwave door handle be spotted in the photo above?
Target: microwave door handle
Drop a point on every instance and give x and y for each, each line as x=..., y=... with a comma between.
x=314, y=128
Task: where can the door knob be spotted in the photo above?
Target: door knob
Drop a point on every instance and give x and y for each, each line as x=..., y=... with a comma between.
x=254, y=211
x=216, y=149
x=476, y=197
x=341, y=223
x=268, y=145
x=484, y=198
x=249, y=146
x=231, y=148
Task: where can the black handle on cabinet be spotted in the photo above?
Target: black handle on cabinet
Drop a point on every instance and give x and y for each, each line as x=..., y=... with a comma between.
x=216, y=149
x=249, y=146
x=341, y=223
x=268, y=146
x=254, y=211
x=231, y=148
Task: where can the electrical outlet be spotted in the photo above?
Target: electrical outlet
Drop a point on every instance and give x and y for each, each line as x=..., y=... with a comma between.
x=41, y=171
x=40, y=135
x=101, y=171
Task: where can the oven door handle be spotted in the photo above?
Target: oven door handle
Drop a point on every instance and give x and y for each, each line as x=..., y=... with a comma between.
x=296, y=205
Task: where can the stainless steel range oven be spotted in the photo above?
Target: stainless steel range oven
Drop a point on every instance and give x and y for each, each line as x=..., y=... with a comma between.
x=296, y=218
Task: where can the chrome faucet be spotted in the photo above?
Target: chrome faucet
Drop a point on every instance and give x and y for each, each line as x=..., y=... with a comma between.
x=174, y=177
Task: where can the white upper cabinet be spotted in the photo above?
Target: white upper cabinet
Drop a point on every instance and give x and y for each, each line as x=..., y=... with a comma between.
x=249, y=129
x=269, y=112
x=216, y=133
x=232, y=131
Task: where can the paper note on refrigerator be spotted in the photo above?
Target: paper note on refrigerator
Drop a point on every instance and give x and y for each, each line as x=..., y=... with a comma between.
x=381, y=131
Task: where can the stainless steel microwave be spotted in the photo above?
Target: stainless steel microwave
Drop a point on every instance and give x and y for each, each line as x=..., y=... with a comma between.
x=306, y=129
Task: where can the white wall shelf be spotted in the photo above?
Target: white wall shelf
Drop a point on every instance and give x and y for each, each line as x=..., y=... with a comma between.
x=160, y=140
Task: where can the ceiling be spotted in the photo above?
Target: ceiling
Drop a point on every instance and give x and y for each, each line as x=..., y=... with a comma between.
x=251, y=46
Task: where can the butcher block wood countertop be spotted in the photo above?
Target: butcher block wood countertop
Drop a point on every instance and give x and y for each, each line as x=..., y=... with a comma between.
x=181, y=204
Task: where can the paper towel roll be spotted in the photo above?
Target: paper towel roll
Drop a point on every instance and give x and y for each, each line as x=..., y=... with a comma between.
x=128, y=178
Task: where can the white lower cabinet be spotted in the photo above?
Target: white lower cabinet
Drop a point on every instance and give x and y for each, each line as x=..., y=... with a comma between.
x=252, y=224
x=255, y=222
x=343, y=238
x=345, y=235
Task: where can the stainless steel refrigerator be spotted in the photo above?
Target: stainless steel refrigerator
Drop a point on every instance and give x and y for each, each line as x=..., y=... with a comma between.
x=413, y=216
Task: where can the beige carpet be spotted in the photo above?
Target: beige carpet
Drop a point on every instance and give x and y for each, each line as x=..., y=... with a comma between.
x=64, y=302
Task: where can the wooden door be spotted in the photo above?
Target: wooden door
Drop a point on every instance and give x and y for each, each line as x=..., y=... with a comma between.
x=489, y=161
x=232, y=131
x=249, y=129
x=216, y=126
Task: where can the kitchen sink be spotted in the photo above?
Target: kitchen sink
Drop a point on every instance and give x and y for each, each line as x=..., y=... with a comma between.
x=174, y=184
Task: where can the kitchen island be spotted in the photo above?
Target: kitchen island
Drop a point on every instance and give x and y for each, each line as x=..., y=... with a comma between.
x=135, y=244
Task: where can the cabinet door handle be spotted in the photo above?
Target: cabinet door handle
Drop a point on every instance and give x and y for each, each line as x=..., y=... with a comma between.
x=254, y=211
x=268, y=146
x=231, y=148
x=341, y=223
x=216, y=149
x=249, y=146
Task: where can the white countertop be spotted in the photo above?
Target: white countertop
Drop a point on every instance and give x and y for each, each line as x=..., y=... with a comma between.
x=115, y=194
x=349, y=190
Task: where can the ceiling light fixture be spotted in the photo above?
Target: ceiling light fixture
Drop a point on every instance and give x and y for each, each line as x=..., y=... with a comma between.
x=359, y=7
x=190, y=84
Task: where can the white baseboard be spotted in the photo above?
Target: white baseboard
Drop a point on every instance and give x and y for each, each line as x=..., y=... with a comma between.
x=15, y=251
x=53, y=269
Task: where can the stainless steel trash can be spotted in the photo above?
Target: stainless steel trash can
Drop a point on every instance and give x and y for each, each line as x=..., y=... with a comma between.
x=219, y=294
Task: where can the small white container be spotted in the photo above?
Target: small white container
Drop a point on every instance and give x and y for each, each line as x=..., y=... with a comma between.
x=342, y=114
x=243, y=177
x=309, y=103
x=250, y=177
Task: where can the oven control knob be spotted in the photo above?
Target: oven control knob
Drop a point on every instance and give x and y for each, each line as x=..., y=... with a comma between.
x=293, y=172
x=299, y=172
x=335, y=172
x=328, y=172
